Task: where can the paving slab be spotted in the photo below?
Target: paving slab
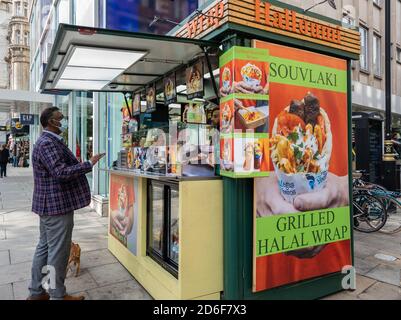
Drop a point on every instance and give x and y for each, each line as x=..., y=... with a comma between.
x=381, y=291
x=6, y=292
x=15, y=272
x=109, y=274
x=19, y=255
x=20, y=288
x=364, y=266
x=126, y=290
x=386, y=273
x=83, y=282
x=96, y=258
x=4, y=258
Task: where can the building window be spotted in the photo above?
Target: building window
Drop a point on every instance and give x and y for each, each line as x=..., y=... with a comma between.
x=377, y=55
x=26, y=38
x=25, y=9
x=399, y=54
x=17, y=37
x=63, y=11
x=84, y=13
x=364, y=48
x=17, y=8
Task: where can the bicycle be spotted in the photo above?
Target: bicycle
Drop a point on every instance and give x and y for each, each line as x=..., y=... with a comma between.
x=369, y=212
x=389, y=200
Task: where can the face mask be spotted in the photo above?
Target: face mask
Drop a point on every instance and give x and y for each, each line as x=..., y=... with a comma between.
x=63, y=125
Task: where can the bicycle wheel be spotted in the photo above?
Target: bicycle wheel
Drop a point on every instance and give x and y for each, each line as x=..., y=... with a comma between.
x=369, y=213
x=393, y=224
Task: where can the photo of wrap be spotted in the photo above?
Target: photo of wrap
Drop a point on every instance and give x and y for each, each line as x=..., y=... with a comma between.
x=302, y=220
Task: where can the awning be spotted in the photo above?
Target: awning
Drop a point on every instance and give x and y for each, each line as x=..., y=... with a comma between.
x=92, y=59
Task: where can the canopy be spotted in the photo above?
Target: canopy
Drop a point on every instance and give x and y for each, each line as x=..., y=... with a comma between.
x=93, y=59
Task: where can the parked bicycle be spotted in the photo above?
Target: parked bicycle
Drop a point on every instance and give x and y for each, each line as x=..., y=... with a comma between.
x=390, y=200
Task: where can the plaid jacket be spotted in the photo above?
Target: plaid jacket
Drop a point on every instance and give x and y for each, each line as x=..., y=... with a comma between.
x=60, y=184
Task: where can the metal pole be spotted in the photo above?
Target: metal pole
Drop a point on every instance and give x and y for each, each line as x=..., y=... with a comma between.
x=391, y=181
x=388, y=68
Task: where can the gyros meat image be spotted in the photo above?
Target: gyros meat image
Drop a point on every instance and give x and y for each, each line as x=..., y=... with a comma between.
x=251, y=74
x=301, y=147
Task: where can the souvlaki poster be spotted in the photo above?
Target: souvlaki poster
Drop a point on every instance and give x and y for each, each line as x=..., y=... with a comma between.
x=301, y=210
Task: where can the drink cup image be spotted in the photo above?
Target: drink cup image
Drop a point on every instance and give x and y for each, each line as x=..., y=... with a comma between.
x=249, y=156
x=251, y=75
x=301, y=146
x=257, y=156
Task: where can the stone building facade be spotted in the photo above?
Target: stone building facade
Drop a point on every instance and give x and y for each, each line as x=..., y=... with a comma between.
x=5, y=15
x=18, y=35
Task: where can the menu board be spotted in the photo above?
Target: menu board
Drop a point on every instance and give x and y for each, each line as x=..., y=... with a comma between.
x=170, y=93
x=194, y=80
x=151, y=98
x=244, y=112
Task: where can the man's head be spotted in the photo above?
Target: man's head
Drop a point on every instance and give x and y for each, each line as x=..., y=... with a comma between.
x=51, y=118
x=216, y=117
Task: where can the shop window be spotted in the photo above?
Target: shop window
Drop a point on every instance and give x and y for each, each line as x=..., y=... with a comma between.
x=163, y=224
x=364, y=49
x=377, y=55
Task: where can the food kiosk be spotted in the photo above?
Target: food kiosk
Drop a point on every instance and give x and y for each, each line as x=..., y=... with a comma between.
x=271, y=219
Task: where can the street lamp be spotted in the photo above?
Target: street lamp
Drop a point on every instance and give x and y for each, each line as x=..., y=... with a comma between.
x=332, y=4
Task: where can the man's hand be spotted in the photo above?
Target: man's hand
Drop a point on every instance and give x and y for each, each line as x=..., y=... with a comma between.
x=96, y=158
x=269, y=200
x=334, y=195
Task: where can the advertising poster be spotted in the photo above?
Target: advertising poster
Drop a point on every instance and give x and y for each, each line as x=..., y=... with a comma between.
x=124, y=210
x=194, y=80
x=136, y=105
x=244, y=112
x=151, y=98
x=170, y=93
x=301, y=211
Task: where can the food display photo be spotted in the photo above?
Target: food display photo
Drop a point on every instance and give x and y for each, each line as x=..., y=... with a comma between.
x=151, y=99
x=170, y=93
x=194, y=80
x=302, y=220
x=244, y=110
x=136, y=105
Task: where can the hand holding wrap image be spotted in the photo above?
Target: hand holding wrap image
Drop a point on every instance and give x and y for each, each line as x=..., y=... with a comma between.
x=308, y=188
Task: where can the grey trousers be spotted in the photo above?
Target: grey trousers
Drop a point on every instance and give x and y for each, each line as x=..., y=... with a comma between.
x=51, y=256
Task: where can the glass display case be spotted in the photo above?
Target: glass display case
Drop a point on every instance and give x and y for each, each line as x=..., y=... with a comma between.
x=163, y=224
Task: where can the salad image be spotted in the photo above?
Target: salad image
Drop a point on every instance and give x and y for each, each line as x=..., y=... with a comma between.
x=169, y=89
x=150, y=98
x=251, y=74
x=194, y=82
x=301, y=147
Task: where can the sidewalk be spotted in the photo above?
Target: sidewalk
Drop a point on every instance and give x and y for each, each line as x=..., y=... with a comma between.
x=377, y=256
x=102, y=277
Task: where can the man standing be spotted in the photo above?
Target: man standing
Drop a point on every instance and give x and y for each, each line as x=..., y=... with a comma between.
x=60, y=187
x=4, y=155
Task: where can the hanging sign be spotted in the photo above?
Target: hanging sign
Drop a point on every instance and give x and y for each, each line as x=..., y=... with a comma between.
x=170, y=92
x=151, y=98
x=194, y=80
x=136, y=105
x=27, y=119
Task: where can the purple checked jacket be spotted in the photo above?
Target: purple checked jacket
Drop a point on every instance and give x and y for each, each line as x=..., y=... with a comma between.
x=60, y=184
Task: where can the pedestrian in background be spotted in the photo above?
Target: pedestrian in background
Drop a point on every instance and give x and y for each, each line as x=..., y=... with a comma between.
x=60, y=187
x=4, y=155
